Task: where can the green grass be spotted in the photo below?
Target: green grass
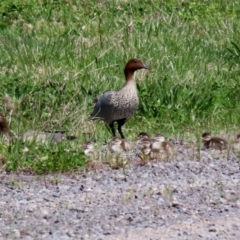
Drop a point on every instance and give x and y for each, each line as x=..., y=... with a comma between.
x=58, y=56
x=42, y=159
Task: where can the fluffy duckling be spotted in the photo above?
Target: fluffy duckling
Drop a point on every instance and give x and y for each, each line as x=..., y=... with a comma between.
x=119, y=106
x=119, y=157
x=161, y=147
x=236, y=144
x=143, y=143
x=118, y=145
x=89, y=149
x=93, y=163
x=159, y=138
x=93, y=157
x=213, y=142
x=143, y=135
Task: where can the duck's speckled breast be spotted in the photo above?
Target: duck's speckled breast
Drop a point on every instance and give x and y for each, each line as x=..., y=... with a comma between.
x=126, y=102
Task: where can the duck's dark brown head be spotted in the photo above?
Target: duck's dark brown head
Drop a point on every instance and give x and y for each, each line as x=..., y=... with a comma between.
x=132, y=66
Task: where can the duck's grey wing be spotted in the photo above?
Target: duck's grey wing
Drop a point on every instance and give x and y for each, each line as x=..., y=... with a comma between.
x=103, y=108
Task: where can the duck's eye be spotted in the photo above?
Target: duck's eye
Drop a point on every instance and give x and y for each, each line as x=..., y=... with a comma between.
x=135, y=61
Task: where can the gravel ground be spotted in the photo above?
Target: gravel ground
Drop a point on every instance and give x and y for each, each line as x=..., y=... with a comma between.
x=181, y=199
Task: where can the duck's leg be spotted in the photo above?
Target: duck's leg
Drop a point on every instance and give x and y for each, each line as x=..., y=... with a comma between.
x=120, y=124
x=111, y=125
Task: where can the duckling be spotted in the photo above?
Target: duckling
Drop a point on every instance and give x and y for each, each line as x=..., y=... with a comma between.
x=119, y=149
x=143, y=144
x=168, y=148
x=143, y=135
x=156, y=146
x=161, y=147
x=213, y=142
x=143, y=141
x=119, y=106
x=236, y=144
x=89, y=149
x=159, y=138
x=127, y=145
x=118, y=145
x=93, y=160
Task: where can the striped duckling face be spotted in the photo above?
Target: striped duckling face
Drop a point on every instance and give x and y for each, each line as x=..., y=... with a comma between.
x=157, y=142
x=115, y=145
x=206, y=136
x=143, y=141
x=142, y=135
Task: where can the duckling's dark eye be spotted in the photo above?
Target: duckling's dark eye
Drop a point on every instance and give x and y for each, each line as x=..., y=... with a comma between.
x=135, y=61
